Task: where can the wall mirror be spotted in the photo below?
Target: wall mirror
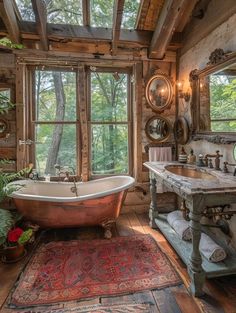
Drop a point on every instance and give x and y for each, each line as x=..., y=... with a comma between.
x=4, y=129
x=214, y=98
x=158, y=129
x=159, y=92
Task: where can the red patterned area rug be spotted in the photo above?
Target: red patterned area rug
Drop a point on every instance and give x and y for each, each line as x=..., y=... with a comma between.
x=74, y=270
x=113, y=308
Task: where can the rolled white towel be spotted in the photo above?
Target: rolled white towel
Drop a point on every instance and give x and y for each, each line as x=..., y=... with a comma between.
x=173, y=216
x=179, y=224
x=211, y=250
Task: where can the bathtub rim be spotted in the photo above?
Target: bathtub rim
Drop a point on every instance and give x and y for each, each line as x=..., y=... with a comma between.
x=17, y=195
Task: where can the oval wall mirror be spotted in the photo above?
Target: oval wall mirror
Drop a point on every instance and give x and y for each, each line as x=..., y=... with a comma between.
x=159, y=92
x=4, y=128
x=158, y=129
x=181, y=130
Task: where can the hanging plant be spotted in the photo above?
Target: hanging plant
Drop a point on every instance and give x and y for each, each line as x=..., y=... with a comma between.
x=9, y=44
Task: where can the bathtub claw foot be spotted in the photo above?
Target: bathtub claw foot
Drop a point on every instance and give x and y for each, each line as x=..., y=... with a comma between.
x=107, y=234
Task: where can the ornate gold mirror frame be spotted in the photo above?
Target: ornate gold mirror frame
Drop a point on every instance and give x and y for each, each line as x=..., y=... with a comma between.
x=158, y=128
x=218, y=61
x=159, y=92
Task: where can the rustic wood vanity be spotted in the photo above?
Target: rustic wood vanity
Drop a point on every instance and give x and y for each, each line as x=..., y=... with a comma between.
x=200, y=188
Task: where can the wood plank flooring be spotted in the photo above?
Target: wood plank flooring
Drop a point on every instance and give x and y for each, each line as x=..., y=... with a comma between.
x=220, y=293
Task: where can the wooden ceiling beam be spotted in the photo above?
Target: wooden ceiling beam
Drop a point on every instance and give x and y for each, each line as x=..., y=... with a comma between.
x=65, y=33
x=170, y=16
x=40, y=12
x=9, y=18
x=86, y=12
x=187, y=15
x=117, y=18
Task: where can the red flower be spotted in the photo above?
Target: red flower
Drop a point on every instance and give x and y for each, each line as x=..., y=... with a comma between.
x=14, y=234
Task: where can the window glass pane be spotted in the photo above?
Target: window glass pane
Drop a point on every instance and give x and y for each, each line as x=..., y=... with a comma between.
x=223, y=96
x=109, y=146
x=108, y=97
x=223, y=126
x=130, y=14
x=65, y=12
x=26, y=10
x=55, y=96
x=55, y=144
x=101, y=12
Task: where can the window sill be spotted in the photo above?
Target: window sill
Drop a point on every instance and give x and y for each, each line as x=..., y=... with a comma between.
x=214, y=137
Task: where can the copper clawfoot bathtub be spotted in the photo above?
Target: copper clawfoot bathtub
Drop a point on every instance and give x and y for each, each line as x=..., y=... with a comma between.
x=53, y=204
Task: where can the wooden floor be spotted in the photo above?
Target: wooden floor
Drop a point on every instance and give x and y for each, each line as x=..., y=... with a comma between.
x=220, y=294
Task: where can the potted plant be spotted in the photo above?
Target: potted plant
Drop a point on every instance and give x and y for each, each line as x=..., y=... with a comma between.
x=14, y=246
x=12, y=238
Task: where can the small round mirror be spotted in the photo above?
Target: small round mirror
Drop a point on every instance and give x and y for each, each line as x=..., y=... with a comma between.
x=4, y=128
x=158, y=129
x=159, y=92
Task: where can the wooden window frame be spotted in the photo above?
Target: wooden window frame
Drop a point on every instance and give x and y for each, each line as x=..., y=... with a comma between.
x=32, y=122
x=128, y=122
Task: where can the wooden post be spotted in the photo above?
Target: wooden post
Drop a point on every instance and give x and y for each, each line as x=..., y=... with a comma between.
x=20, y=116
x=195, y=269
x=83, y=122
x=137, y=95
x=153, y=212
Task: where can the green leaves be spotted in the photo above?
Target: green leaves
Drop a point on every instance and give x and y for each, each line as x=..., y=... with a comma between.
x=7, y=221
x=25, y=237
x=9, y=44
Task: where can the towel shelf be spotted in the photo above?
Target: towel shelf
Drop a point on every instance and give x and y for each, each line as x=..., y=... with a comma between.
x=184, y=250
x=196, y=199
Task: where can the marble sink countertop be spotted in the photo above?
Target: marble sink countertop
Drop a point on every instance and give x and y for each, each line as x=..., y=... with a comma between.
x=222, y=182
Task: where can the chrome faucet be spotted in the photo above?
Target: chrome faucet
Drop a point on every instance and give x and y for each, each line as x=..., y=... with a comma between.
x=34, y=175
x=65, y=171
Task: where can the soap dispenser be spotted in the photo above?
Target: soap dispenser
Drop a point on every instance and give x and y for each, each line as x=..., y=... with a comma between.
x=183, y=156
x=191, y=157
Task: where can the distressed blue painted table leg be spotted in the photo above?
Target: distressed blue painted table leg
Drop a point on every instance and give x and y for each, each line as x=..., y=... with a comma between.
x=153, y=211
x=195, y=269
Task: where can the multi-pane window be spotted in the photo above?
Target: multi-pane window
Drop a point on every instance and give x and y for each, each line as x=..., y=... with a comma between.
x=109, y=123
x=55, y=120
x=223, y=101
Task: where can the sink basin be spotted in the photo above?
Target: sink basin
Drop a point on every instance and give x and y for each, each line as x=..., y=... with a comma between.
x=190, y=172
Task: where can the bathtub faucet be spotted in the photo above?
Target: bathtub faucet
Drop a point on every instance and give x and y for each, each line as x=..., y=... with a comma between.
x=65, y=171
x=74, y=188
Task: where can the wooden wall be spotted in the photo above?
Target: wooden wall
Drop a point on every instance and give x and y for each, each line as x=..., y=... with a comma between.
x=199, y=43
x=138, y=198
x=7, y=79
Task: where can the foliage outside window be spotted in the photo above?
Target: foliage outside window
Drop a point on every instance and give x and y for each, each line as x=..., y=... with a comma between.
x=55, y=120
x=109, y=123
x=130, y=14
x=223, y=102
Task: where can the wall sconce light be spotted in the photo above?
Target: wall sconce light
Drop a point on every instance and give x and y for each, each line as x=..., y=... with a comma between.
x=181, y=94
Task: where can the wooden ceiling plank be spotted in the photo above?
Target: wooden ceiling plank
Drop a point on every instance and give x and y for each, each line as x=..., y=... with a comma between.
x=86, y=12
x=7, y=13
x=40, y=12
x=142, y=12
x=187, y=15
x=169, y=18
x=117, y=18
